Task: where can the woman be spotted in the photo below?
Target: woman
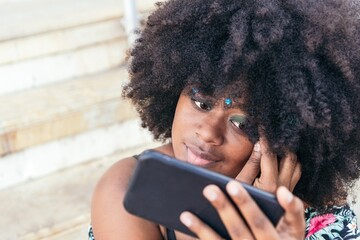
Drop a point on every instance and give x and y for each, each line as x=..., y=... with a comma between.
x=253, y=90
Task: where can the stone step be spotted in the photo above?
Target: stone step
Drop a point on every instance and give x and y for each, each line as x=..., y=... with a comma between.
x=39, y=115
x=46, y=129
x=49, y=69
x=60, y=40
x=22, y=18
x=56, y=206
x=44, y=41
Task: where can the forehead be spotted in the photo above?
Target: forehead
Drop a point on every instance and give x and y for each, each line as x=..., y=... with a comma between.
x=219, y=86
x=225, y=97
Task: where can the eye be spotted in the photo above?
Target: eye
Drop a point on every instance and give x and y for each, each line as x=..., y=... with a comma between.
x=238, y=125
x=202, y=105
x=238, y=121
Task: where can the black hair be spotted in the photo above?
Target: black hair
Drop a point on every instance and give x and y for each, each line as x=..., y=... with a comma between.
x=296, y=62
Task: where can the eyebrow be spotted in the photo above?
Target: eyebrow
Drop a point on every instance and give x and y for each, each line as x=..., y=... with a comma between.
x=213, y=100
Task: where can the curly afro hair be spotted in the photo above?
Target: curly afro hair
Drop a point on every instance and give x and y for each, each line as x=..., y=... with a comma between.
x=296, y=62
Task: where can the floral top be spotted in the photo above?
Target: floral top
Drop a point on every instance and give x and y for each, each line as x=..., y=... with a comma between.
x=338, y=225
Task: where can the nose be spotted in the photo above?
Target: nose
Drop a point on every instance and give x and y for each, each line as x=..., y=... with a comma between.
x=211, y=129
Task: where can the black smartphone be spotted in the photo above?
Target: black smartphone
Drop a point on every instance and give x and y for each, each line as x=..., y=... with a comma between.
x=162, y=187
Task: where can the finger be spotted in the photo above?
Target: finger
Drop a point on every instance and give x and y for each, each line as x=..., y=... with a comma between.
x=296, y=176
x=268, y=179
x=198, y=227
x=231, y=218
x=287, y=169
x=259, y=224
x=293, y=221
x=251, y=169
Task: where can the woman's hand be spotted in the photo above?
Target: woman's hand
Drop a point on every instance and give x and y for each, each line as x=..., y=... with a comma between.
x=290, y=226
x=265, y=171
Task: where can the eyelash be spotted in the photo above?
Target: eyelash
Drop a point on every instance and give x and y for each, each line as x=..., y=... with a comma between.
x=239, y=126
x=204, y=106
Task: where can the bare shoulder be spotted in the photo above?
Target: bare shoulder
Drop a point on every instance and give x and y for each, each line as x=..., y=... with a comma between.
x=109, y=219
x=118, y=175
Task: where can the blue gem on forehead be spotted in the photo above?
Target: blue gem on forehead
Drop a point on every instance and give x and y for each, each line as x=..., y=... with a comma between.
x=228, y=101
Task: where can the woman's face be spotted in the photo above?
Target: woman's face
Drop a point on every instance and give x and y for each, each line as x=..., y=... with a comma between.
x=208, y=133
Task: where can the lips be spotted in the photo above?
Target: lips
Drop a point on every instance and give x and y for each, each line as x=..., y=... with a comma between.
x=200, y=158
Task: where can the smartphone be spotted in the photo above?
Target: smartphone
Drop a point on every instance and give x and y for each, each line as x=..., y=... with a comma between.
x=162, y=187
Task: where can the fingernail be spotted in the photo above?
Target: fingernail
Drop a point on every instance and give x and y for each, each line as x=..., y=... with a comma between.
x=210, y=194
x=257, y=147
x=233, y=188
x=185, y=219
x=287, y=194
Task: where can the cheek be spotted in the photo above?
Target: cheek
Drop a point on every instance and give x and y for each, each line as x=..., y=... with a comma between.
x=240, y=153
x=184, y=119
x=182, y=124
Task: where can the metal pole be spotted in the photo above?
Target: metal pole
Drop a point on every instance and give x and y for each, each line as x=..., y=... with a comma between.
x=130, y=17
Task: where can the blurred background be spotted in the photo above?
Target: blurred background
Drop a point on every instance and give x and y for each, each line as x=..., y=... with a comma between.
x=62, y=118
